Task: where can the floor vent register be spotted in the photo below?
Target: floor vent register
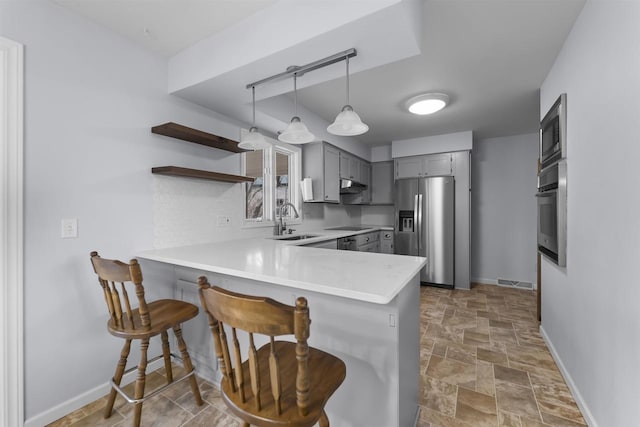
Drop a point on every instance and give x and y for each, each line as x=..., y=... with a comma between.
x=515, y=284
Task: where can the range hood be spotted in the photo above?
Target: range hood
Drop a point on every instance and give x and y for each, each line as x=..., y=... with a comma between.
x=349, y=186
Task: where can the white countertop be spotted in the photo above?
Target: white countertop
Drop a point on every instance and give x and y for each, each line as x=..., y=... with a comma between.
x=364, y=276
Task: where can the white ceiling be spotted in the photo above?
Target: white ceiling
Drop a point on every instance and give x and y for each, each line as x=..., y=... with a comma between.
x=489, y=56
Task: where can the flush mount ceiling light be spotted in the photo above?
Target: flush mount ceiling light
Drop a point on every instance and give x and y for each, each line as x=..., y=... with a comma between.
x=347, y=123
x=427, y=103
x=253, y=140
x=296, y=132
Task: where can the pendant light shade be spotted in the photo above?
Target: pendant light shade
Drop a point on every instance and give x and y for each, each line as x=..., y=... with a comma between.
x=347, y=123
x=297, y=132
x=253, y=140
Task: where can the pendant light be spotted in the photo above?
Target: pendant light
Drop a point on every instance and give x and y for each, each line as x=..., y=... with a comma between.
x=253, y=140
x=296, y=132
x=347, y=123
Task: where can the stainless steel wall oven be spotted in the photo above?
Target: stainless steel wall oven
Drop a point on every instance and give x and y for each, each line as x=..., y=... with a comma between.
x=552, y=212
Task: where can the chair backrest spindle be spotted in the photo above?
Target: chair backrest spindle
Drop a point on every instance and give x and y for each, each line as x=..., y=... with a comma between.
x=274, y=370
x=254, y=371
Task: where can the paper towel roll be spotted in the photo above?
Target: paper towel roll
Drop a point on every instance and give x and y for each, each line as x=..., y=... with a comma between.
x=307, y=189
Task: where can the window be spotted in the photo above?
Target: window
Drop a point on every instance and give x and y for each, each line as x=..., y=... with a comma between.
x=254, y=191
x=277, y=173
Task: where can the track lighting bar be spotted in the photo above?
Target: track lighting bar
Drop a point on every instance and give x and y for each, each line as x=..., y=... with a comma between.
x=300, y=70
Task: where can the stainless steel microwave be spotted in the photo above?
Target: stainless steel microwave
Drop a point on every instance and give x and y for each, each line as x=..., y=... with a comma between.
x=552, y=212
x=553, y=133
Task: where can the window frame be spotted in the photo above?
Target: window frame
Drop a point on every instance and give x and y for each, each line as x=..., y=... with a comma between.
x=269, y=217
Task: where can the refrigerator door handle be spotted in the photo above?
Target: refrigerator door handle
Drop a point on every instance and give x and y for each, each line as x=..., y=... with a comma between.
x=420, y=219
x=416, y=228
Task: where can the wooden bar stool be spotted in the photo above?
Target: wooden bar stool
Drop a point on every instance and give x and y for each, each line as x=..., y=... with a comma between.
x=281, y=383
x=142, y=323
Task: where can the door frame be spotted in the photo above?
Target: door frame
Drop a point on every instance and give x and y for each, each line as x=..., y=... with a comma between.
x=11, y=232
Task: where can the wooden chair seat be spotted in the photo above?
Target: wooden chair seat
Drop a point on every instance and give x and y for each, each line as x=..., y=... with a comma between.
x=326, y=373
x=164, y=315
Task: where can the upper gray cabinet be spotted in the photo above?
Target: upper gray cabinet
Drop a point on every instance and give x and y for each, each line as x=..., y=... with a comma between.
x=382, y=183
x=365, y=178
x=420, y=166
x=350, y=167
x=321, y=163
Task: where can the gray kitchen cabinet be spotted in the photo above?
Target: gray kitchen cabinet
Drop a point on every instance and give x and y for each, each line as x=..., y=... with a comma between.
x=361, y=173
x=386, y=242
x=420, y=166
x=368, y=242
x=370, y=247
x=381, y=188
x=321, y=163
x=349, y=166
x=331, y=185
x=365, y=178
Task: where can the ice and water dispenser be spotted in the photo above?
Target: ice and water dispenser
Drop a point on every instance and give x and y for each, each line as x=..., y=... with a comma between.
x=406, y=224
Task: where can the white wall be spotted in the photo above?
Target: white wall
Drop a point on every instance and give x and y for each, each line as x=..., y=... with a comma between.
x=459, y=141
x=590, y=312
x=91, y=99
x=381, y=153
x=503, y=209
x=378, y=215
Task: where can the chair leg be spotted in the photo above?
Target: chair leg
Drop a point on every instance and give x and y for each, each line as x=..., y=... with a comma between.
x=166, y=352
x=177, y=330
x=324, y=420
x=117, y=377
x=140, y=382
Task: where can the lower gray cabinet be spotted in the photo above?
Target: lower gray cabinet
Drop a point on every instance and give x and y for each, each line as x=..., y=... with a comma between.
x=386, y=242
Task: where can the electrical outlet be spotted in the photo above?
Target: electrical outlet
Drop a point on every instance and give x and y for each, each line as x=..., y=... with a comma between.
x=69, y=228
x=223, y=221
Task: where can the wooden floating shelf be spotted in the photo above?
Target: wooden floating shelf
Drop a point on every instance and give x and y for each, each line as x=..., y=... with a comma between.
x=185, y=133
x=200, y=174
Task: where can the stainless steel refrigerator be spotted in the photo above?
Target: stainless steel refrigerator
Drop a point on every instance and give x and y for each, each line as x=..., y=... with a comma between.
x=424, y=225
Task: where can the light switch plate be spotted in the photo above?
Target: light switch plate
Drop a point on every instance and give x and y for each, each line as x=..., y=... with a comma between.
x=223, y=221
x=69, y=228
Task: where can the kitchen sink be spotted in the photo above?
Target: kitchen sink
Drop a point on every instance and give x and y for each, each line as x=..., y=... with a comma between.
x=296, y=237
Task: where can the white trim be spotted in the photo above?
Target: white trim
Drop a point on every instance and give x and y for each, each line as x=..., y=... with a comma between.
x=77, y=402
x=495, y=282
x=11, y=232
x=484, y=281
x=586, y=413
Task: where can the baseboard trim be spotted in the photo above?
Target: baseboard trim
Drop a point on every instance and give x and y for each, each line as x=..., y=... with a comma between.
x=484, y=281
x=79, y=401
x=586, y=413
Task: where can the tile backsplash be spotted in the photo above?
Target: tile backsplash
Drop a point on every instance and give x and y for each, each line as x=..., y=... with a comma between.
x=185, y=212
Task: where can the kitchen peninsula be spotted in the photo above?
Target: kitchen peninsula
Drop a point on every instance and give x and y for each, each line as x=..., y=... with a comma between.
x=364, y=309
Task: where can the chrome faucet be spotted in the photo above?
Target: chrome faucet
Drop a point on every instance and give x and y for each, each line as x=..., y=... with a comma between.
x=282, y=226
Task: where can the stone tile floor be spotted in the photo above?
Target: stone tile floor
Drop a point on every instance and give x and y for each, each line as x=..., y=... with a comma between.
x=483, y=363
